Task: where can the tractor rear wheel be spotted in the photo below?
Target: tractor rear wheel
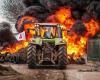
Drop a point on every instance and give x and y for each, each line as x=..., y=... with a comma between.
x=31, y=56
x=62, y=59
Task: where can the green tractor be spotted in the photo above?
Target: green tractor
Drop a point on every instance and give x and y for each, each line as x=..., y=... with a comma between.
x=47, y=48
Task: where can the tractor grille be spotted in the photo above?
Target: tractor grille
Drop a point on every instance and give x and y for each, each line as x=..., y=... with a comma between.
x=47, y=51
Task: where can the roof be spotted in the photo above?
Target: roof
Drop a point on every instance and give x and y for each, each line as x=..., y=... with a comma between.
x=51, y=24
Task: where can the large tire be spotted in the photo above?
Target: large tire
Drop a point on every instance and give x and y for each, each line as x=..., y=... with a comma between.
x=62, y=58
x=31, y=56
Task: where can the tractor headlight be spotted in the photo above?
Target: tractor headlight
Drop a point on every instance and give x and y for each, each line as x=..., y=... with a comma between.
x=36, y=25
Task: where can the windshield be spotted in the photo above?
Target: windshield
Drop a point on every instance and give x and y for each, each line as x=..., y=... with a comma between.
x=48, y=32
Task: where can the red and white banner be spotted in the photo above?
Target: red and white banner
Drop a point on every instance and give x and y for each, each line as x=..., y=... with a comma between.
x=21, y=36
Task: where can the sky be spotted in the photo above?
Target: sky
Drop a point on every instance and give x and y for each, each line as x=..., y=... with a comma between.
x=2, y=17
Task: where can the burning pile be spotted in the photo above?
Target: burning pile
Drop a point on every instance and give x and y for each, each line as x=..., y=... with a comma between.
x=6, y=36
x=79, y=31
x=8, y=42
x=79, y=18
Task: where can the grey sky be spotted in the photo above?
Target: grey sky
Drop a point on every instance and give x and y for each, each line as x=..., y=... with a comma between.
x=2, y=17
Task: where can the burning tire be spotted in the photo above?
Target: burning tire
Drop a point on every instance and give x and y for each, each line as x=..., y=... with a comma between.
x=62, y=59
x=31, y=56
x=18, y=57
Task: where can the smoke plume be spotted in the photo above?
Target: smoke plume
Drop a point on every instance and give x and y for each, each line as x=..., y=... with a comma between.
x=81, y=10
x=6, y=36
x=79, y=7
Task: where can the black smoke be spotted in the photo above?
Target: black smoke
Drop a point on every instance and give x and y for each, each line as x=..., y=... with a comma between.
x=94, y=9
x=79, y=7
x=37, y=11
x=79, y=28
x=81, y=10
x=6, y=35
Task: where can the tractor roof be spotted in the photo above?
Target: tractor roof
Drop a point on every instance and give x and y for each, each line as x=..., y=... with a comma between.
x=47, y=24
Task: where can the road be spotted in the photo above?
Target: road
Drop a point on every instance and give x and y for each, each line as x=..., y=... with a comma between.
x=39, y=74
x=71, y=73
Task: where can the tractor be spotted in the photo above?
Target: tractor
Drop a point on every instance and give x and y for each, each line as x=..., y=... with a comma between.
x=47, y=47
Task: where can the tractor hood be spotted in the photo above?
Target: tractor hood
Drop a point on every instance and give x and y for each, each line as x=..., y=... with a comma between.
x=55, y=41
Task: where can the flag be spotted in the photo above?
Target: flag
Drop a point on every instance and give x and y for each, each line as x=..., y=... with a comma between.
x=21, y=36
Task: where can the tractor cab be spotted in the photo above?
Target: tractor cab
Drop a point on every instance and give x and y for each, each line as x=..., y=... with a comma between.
x=48, y=30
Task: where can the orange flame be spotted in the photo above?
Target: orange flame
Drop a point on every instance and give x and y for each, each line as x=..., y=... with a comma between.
x=22, y=19
x=62, y=16
x=92, y=28
x=15, y=47
x=21, y=44
x=76, y=44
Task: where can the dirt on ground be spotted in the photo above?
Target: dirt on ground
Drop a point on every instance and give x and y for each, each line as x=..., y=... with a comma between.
x=11, y=71
x=7, y=73
x=21, y=72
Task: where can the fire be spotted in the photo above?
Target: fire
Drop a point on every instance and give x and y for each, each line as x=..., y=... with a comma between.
x=62, y=16
x=30, y=27
x=22, y=20
x=76, y=44
x=15, y=47
x=76, y=47
x=21, y=26
x=92, y=28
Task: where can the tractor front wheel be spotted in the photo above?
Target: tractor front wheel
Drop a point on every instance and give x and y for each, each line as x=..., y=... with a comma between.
x=62, y=58
x=31, y=56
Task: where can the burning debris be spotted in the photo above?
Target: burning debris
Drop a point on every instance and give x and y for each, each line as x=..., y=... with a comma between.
x=6, y=36
x=75, y=18
x=78, y=17
x=8, y=42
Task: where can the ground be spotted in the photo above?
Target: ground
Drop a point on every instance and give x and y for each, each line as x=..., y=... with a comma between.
x=72, y=72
